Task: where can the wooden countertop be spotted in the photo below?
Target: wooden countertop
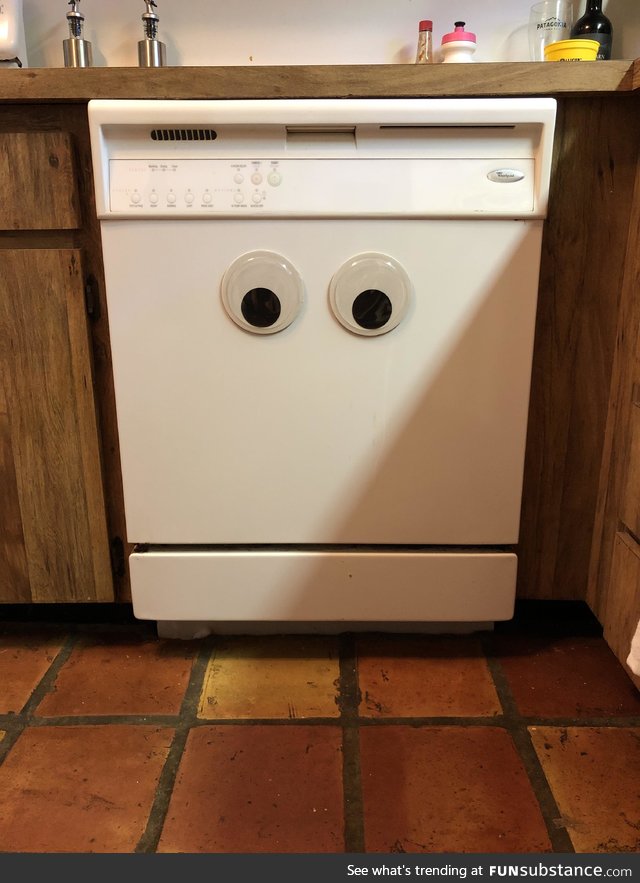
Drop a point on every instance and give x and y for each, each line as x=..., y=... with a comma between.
x=40, y=85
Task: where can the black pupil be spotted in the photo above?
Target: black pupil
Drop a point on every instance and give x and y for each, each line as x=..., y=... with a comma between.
x=260, y=307
x=372, y=309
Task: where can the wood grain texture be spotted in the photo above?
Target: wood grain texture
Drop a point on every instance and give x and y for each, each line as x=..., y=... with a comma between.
x=318, y=81
x=14, y=574
x=37, y=187
x=622, y=608
x=72, y=119
x=616, y=475
x=45, y=363
x=583, y=260
x=630, y=509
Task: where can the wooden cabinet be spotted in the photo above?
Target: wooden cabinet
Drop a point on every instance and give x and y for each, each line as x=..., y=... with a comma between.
x=614, y=584
x=54, y=544
x=592, y=208
x=630, y=509
x=622, y=608
x=55, y=537
x=37, y=187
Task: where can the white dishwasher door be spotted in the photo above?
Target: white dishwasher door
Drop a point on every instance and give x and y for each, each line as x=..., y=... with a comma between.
x=317, y=434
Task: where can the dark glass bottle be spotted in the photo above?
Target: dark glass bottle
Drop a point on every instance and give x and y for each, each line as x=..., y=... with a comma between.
x=594, y=25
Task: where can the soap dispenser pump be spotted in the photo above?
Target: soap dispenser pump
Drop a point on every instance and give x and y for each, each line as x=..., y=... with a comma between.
x=151, y=52
x=77, y=50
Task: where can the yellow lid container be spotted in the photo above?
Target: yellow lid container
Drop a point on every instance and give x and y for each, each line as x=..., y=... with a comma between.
x=572, y=50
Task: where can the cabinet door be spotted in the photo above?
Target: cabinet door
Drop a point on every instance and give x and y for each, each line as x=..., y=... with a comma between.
x=37, y=186
x=53, y=536
x=630, y=513
x=622, y=612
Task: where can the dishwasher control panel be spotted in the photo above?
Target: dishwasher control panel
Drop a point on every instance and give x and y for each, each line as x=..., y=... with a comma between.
x=323, y=158
x=331, y=187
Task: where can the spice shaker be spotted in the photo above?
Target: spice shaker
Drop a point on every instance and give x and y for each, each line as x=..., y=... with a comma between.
x=424, y=54
x=459, y=45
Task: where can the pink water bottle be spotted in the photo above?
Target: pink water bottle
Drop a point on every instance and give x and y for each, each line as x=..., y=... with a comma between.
x=459, y=45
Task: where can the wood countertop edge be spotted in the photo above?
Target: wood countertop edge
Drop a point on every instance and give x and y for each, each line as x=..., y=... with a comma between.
x=65, y=85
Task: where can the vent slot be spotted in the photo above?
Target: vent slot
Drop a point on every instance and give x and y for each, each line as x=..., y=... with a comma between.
x=183, y=135
x=444, y=126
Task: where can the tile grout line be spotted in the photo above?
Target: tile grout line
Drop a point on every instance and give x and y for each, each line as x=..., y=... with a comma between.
x=92, y=720
x=615, y=723
x=495, y=720
x=518, y=729
x=349, y=701
x=501, y=720
x=49, y=678
x=14, y=725
x=9, y=722
x=187, y=716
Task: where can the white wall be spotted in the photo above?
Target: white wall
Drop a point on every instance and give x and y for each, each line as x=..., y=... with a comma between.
x=218, y=32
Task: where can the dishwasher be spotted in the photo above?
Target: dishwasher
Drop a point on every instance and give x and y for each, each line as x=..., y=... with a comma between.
x=322, y=317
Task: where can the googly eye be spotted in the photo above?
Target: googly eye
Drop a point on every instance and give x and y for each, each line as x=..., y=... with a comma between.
x=262, y=292
x=370, y=294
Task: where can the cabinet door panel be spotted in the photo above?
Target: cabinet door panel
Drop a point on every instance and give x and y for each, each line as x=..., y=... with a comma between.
x=50, y=429
x=622, y=612
x=37, y=186
x=631, y=498
x=14, y=574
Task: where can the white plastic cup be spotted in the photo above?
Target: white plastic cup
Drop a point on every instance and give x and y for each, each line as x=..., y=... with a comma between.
x=549, y=22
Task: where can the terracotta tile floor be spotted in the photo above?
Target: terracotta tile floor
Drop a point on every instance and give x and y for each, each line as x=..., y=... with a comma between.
x=522, y=740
